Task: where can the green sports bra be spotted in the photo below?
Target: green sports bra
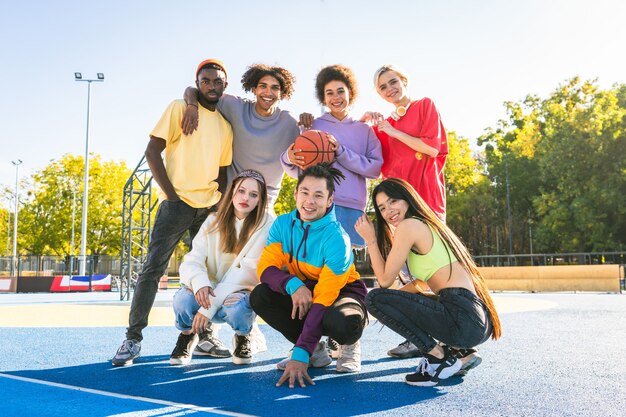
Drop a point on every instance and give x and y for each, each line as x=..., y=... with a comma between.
x=423, y=267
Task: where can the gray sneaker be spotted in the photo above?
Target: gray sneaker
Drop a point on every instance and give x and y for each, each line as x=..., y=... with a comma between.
x=405, y=350
x=470, y=359
x=127, y=353
x=319, y=359
x=210, y=345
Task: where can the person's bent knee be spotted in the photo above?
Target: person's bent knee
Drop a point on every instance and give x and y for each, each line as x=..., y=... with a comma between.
x=238, y=313
x=259, y=297
x=185, y=308
x=345, y=324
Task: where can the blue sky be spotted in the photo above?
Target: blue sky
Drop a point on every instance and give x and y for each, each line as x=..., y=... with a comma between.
x=468, y=56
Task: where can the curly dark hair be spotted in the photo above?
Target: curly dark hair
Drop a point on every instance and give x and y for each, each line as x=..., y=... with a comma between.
x=326, y=171
x=336, y=73
x=254, y=73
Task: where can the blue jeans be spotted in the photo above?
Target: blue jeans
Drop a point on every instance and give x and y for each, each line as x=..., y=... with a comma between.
x=238, y=315
x=347, y=217
x=456, y=317
x=172, y=220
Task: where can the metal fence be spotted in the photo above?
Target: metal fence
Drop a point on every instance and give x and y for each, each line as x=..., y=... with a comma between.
x=538, y=259
x=34, y=265
x=47, y=265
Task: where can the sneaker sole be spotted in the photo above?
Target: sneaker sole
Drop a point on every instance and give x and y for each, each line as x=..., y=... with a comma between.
x=127, y=362
x=179, y=361
x=421, y=383
x=211, y=355
x=344, y=370
x=241, y=361
x=120, y=364
x=404, y=355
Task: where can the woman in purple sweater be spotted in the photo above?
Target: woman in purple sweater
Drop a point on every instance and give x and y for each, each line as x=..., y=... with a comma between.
x=358, y=154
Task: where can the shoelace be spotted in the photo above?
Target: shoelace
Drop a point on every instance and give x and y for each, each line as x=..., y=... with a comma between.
x=129, y=346
x=182, y=343
x=406, y=344
x=244, y=345
x=423, y=367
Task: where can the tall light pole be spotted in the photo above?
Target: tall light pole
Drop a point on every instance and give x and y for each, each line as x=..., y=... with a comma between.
x=72, y=242
x=83, y=229
x=17, y=164
x=8, y=225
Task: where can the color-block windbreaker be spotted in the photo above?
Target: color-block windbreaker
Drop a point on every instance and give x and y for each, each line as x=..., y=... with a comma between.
x=317, y=254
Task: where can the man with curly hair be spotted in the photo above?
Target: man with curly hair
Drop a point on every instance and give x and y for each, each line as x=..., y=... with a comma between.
x=261, y=130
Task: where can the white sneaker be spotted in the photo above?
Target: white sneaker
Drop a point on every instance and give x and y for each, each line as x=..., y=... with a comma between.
x=350, y=358
x=259, y=344
x=319, y=359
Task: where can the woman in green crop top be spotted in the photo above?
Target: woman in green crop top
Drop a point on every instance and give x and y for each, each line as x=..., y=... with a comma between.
x=459, y=314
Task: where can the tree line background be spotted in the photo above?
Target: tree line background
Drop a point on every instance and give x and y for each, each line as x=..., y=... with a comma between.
x=564, y=158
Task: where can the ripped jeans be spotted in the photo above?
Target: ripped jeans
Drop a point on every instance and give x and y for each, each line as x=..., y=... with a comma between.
x=235, y=311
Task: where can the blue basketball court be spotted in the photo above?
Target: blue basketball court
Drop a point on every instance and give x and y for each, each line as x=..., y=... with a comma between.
x=561, y=354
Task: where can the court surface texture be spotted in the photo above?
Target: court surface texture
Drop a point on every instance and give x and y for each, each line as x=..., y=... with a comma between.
x=561, y=354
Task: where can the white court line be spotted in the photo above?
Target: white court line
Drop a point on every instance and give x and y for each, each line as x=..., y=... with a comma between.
x=127, y=397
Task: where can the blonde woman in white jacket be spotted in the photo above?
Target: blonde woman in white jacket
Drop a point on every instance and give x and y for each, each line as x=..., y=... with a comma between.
x=220, y=271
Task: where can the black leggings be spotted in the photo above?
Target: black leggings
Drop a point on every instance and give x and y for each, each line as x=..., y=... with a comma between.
x=344, y=321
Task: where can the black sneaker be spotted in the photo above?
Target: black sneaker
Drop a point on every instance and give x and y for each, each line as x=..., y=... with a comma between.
x=210, y=345
x=431, y=369
x=470, y=359
x=181, y=355
x=242, y=353
x=333, y=348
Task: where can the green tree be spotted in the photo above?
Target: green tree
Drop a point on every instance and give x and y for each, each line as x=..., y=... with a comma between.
x=563, y=158
x=510, y=161
x=462, y=169
x=46, y=219
x=286, y=201
x=582, y=159
x=470, y=207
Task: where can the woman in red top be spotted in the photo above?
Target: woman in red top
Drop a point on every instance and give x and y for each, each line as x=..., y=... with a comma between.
x=413, y=139
x=415, y=148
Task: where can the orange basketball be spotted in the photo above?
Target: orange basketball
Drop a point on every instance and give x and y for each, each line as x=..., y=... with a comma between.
x=316, y=147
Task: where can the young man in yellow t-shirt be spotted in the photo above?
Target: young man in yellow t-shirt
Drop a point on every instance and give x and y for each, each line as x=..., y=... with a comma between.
x=191, y=176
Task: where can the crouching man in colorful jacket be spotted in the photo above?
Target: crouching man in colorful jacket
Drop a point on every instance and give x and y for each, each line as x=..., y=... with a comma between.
x=309, y=285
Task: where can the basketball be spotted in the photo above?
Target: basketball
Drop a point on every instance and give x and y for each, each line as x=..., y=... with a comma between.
x=316, y=147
